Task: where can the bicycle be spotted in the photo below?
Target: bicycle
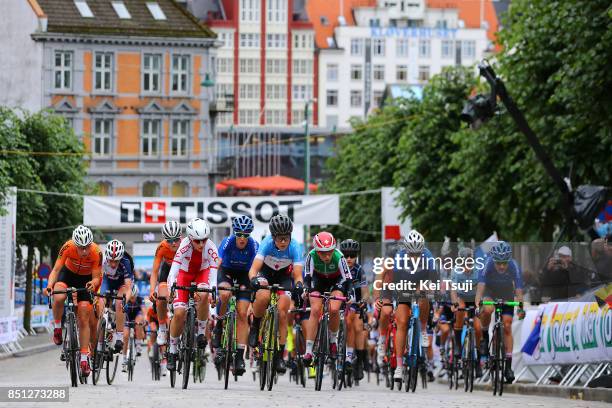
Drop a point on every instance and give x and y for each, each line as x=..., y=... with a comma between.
x=131, y=351
x=300, y=346
x=497, y=363
x=186, y=342
x=199, y=365
x=70, y=343
x=321, y=345
x=451, y=362
x=416, y=355
x=228, y=348
x=342, y=377
x=154, y=356
x=104, y=350
x=268, y=349
x=469, y=355
x=389, y=360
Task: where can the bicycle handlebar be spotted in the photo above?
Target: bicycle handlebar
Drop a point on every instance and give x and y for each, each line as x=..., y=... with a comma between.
x=328, y=296
x=68, y=291
x=305, y=310
x=233, y=289
x=274, y=288
x=108, y=294
x=193, y=289
x=501, y=303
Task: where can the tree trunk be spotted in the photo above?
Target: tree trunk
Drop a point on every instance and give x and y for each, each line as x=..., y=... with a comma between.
x=27, y=311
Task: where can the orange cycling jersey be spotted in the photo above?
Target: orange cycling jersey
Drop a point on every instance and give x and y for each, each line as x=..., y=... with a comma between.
x=164, y=252
x=69, y=257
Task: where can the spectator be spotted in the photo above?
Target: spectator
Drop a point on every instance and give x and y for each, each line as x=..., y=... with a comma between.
x=601, y=251
x=561, y=278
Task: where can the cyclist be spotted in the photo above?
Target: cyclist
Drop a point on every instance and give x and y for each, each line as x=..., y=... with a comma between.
x=133, y=314
x=326, y=270
x=500, y=278
x=117, y=275
x=78, y=265
x=278, y=261
x=196, y=260
x=355, y=333
x=236, y=254
x=164, y=254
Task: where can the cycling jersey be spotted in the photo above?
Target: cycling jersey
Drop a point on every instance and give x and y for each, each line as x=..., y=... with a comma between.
x=325, y=277
x=277, y=261
x=114, y=278
x=464, y=277
x=234, y=258
x=358, y=281
x=132, y=309
x=405, y=272
x=164, y=254
x=501, y=285
x=87, y=265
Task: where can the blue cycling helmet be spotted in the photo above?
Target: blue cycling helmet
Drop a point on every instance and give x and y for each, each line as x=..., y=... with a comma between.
x=243, y=224
x=501, y=252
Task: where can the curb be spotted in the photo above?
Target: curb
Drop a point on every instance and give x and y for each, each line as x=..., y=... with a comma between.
x=574, y=393
x=29, y=351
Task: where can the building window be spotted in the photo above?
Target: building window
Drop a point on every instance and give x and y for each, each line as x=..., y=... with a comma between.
x=302, y=92
x=276, y=117
x=180, y=133
x=379, y=47
x=63, y=70
x=303, y=67
x=151, y=129
x=224, y=119
x=401, y=47
x=249, y=40
x=225, y=65
x=447, y=49
x=297, y=117
x=151, y=74
x=180, y=189
x=424, y=48
x=156, y=11
x=102, y=137
x=424, y=73
x=180, y=73
x=277, y=11
x=303, y=41
x=401, y=73
x=378, y=98
x=150, y=189
x=105, y=188
x=276, y=92
x=249, y=66
x=249, y=91
x=103, y=71
x=276, y=40
x=228, y=39
x=249, y=11
x=332, y=97
x=332, y=72
x=356, y=72
x=248, y=117
x=356, y=46
x=276, y=66
x=468, y=49
x=379, y=72
x=224, y=91
x=355, y=99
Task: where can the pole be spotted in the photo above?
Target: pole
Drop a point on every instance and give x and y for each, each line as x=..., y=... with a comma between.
x=306, y=166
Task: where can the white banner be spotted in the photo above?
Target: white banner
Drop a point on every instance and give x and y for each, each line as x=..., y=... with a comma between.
x=8, y=223
x=571, y=332
x=392, y=227
x=218, y=211
x=8, y=329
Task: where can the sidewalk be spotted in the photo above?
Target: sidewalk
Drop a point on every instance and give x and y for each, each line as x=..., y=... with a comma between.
x=38, y=343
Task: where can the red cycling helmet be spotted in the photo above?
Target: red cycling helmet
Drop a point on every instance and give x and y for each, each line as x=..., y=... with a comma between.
x=324, y=242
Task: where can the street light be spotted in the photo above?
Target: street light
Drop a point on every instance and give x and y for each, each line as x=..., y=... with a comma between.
x=307, y=161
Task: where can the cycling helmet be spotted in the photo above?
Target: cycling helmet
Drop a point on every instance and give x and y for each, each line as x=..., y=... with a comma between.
x=280, y=224
x=349, y=246
x=134, y=290
x=114, y=250
x=414, y=242
x=171, y=230
x=243, y=224
x=466, y=252
x=82, y=236
x=324, y=242
x=501, y=252
x=198, y=229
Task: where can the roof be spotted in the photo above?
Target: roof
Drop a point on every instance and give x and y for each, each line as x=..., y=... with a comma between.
x=64, y=17
x=324, y=15
x=273, y=184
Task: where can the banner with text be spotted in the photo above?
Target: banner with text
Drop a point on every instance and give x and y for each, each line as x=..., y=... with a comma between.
x=218, y=211
x=8, y=221
x=570, y=333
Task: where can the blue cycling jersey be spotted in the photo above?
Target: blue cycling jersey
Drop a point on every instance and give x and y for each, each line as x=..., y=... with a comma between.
x=278, y=260
x=358, y=281
x=501, y=285
x=234, y=258
x=121, y=272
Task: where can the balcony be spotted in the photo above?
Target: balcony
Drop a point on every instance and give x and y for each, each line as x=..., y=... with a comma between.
x=223, y=103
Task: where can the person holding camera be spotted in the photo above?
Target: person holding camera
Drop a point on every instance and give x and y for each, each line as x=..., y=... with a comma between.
x=561, y=278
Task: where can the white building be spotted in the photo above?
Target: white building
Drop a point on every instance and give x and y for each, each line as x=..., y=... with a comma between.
x=394, y=42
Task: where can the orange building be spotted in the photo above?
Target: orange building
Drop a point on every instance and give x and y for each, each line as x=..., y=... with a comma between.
x=128, y=77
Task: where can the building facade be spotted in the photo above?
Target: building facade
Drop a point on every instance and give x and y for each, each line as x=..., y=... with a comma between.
x=367, y=45
x=127, y=76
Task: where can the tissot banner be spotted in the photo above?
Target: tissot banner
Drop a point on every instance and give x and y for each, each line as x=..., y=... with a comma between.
x=218, y=211
x=571, y=332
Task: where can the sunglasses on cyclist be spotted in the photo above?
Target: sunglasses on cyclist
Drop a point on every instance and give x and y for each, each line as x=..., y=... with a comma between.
x=198, y=241
x=282, y=238
x=172, y=241
x=350, y=255
x=241, y=235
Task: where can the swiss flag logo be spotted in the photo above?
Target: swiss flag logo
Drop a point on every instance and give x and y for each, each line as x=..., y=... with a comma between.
x=155, y=212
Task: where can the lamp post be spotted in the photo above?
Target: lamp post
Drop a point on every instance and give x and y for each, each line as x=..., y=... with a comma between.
x=307, y=162
x=208, y=83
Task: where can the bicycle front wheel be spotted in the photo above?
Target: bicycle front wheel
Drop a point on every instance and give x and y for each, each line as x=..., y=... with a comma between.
x=229, y=341
x=98, y=355
x=187, y=350
x=73, y=344
x=274, y=347
x=131, y=357
x=322, y=345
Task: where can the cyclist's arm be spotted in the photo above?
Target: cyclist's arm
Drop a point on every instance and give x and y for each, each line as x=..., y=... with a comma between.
x=155, y=271
x=255, y=266
x=297, y=273
x=59, y=264
x=380, y=279
x=479, y=292
x=96, y=273
x=174, y=269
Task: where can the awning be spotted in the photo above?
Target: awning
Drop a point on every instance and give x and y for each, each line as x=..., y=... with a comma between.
x=270, y=185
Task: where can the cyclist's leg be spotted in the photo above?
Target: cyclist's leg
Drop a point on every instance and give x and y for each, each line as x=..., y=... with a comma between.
x=180, y=304
x=507, y=317
x=243, y=301
x=402, y=316
x=383, y=326
x=350, y=317
x=334, y=316
x=64, y=280
x=162, y=291
x=119, y=313
x=284, y=302
x=224, y=280
x=485, y=320
x=311, y=325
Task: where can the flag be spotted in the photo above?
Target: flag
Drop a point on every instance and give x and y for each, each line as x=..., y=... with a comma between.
x=534, y=337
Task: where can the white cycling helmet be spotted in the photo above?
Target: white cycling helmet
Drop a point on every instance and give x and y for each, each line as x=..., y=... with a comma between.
x=198, y=229
x=171, y=230
x=82, y=236
x=414, y=242
x=114, y=250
